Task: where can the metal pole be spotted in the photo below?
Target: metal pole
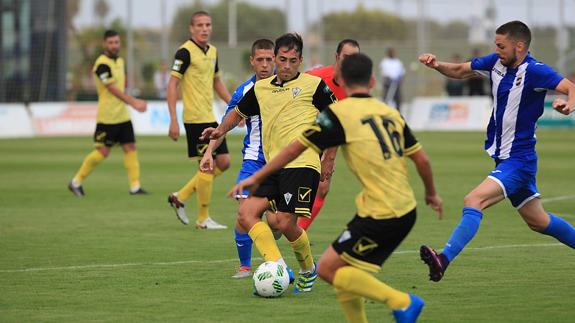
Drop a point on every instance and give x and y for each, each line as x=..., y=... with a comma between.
x=232, y=23
x=421, y=42
x=130, y=50
x=562, y=39
x=164, y=31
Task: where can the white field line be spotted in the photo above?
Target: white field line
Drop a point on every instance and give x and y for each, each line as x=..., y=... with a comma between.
x=187, y=262
x=557, y=198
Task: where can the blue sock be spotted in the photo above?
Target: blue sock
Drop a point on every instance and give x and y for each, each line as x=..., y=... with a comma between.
x=463, y=233
x=244, y=245
x=561, y=230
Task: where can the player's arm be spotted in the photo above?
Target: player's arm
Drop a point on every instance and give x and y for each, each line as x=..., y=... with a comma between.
x=568, y=88
x=452, y=70
x=104, y=73
x=416, y=153
x=181, y=63
x=219, y=86
x=322, y=98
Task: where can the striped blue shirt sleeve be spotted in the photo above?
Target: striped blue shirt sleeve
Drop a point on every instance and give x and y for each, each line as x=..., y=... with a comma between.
x=484, y=63
x=543, y=76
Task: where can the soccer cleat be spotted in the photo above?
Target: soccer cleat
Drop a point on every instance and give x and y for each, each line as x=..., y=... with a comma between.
x=210, y=225
x=305, y=281
x=243, y=272
x=178, y=207
x=139, y=191
x=434, y=262
x=78, y=191
x=411, y=313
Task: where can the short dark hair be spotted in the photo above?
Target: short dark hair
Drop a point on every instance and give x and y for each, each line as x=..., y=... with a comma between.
x=198, y=14
x=110, y=33
x=516, y=30
x=344, y=42
x=291, y=41
x=356, y=69
x=262, y=43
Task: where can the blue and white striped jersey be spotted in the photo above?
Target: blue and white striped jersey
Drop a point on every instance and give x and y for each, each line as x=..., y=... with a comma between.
x=252, y=149
x=518, y=99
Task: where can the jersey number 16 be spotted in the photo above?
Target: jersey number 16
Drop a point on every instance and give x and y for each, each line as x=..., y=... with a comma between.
x=389, y=131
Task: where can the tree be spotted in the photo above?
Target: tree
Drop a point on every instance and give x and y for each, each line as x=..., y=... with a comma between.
x=101, y=8
x=364, y=24
x=253, y=21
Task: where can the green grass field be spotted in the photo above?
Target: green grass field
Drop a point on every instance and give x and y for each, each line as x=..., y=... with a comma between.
x=115, y=257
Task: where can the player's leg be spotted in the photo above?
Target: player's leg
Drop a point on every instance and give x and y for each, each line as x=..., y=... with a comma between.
x=249, y=217
x=319, y=201
x=204, y=185
x=540, y=221
x=103, y=143
x=298, y=187
x=127, y=139
x=363, y=248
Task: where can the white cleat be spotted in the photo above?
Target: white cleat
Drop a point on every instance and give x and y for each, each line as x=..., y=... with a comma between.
x=178, y=207
x=243, y=272
x=210, y=225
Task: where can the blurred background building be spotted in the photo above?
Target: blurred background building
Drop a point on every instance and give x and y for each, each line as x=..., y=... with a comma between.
x=49, y=46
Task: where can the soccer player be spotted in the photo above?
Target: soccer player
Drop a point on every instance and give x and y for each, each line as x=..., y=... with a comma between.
x=287, y=104
x=113, y=124
x=330, y=75
x=519, y=83
x=196, y=68
x=262, y=61
x=375, y=141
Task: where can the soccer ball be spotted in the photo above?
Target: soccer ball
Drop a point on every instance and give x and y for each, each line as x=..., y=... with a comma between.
x=271, y=279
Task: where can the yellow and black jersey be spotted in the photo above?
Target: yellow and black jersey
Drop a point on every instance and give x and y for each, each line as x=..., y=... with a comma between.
x=286, y=110
x=196, y=67
x=374, y=139
x=111, y=110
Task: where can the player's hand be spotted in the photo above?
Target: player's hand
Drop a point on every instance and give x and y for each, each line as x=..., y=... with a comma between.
x=428, y=60
x=560, y=105
x=327, y=169
x=174, y=131
x=436, y=203
x=249, y=183
x=140, y=105
x=210, y=133
x=207, y=162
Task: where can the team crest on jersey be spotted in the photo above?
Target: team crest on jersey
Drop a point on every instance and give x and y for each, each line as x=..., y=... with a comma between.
x=364, y=246
x=295, y=91
x=177, y=65
x=287, y=197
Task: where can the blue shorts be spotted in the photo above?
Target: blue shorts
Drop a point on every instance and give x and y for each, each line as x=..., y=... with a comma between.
x=249, y=167
x=517, y=179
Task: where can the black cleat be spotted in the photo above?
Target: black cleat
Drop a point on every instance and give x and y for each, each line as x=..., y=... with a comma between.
x=139, y=191
x=78, y=191
x=434, y=262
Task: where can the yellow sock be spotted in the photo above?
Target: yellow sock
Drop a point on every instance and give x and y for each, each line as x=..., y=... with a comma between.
x=352, y=306
x=263, y=238
x=204, y=194
x=190, y=187
x=361, y=283
x=302, y=251
x=217, y=172
x=89, y=163
x=133, y=167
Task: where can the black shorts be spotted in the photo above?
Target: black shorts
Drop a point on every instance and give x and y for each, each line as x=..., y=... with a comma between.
x=367, y=242
x=291, y=190
x=197, y=147
x=111, y=134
